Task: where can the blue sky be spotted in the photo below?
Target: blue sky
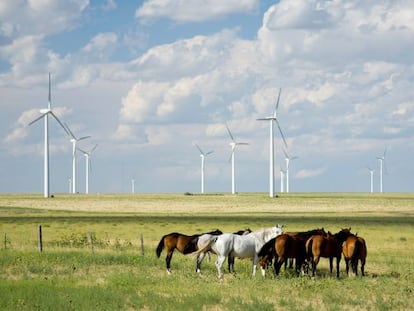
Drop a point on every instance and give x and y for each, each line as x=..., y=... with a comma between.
x=149, y=79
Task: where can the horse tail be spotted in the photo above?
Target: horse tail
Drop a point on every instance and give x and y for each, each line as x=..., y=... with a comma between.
x=308, y=248
x=206, y=247
x=357, y=250
x=160, y=246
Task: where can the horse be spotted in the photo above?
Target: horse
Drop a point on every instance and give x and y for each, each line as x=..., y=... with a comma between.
x=354, y=248
x=289, y=245
x=203, y=239
x=329, y=246
x=244, y=246
x=179, y=241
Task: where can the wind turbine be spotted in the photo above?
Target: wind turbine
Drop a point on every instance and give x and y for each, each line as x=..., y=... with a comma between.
x=45, y=114
x=133, y=185
x=88, y=165
x=371, y=172
x=273, y=119
x=381, y=159
x=202, y=156
x=288, y=159
x=233, y=145
x=74, y=141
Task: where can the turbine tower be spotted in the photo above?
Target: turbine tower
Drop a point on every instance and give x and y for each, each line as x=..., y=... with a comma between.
x=288, y=158
x=282, y=179
x=88, y=166
x=202, y=156
x=381, y=160
x=233, y=145
x=371, y=172
x=273, y=119
x=74, y=141
x=45, y=114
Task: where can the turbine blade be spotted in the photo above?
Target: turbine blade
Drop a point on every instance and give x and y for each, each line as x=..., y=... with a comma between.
x=93, y=149
x=84, y=137
x=69, y=131
x=83, y=151
x=90, y=164
x=281, y=133
x=277, y=104
x=38, y=118
x=50, y=92
x=228, y=130
x=242, y=144
x=210, y=152
x=199, y=149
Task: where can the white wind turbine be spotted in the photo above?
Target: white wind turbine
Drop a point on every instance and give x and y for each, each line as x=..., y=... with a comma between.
x=371, y=172
x=381, y=159
x=233, y=145
x=202, y=156
x=88, y=165
x=288, y=158
x=45, y=114
x=273, y=119
x=74, y=141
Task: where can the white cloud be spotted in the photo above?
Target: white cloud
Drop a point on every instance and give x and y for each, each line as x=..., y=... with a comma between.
x=195, y=10
x=309, y=173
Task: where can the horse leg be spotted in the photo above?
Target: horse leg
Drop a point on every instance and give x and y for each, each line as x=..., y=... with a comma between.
x=338, y=260
x=347, y=266
x=255, y=261
x=219, y=264
x=331, y=264
x=199, y=260
x=168, y=261
x=278, y=264
x=230, y=261
x=363, y=267
x=315, y=261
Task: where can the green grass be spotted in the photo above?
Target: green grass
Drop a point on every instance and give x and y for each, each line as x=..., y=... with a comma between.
x=68, y=276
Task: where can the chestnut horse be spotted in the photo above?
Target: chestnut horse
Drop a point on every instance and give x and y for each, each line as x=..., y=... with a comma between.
x=179, y=241
x=329, y=246
x=354, y=249
x=288, y=245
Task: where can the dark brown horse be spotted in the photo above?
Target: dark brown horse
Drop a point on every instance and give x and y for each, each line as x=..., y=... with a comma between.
x=354, y=249
x=286, y=246
x=329, y=246
x=179, y=241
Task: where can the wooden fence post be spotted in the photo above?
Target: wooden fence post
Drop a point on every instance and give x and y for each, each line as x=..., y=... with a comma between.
x=40, y=241
x=142, y=244
x=90, y=237
x=5, y=241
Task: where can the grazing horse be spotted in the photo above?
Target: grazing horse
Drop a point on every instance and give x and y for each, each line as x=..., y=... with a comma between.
x=243, y=246
x=179, y=241
x=288, y=245
x=329, y=246
x=203, y=239
x=354, y=248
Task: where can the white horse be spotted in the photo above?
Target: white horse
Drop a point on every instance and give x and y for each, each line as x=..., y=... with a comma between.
x=243, y=246
x=203, y=239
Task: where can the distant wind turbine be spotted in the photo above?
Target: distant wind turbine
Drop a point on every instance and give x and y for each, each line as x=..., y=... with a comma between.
x=45, y=114
x=74, y=141
x=381, y=160
x=233, y=145
x=88, y=166
x=288, y=158
x=202, y=156
x=273, y=119
x=371, y=172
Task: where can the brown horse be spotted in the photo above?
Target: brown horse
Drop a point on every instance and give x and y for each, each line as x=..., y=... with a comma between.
x=329, y=246
x=354, y=249
x=286, y=246
x=179, y=241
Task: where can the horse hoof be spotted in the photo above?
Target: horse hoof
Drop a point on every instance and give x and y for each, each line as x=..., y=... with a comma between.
x=169, y=272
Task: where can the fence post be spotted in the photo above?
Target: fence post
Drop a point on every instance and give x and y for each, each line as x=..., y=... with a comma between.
x=142, y=244
x=40, y=242
x=90, y=237
x=5, y=240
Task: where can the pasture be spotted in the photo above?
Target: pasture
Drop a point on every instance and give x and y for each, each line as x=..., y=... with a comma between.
x=68, y=274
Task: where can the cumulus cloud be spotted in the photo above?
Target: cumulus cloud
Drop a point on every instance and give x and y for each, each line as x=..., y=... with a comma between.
x=194, y=11
x=309, y=173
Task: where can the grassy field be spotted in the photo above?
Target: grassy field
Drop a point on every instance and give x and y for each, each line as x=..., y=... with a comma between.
x=68, y=275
